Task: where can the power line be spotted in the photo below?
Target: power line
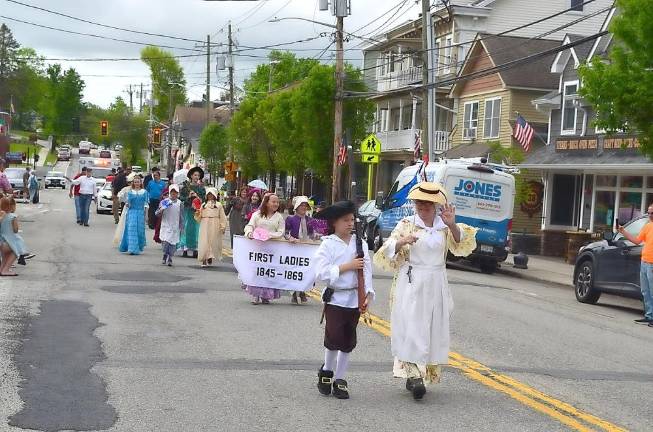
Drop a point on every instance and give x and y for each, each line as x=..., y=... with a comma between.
x=271, y=16
x=93, y=35
x=102, y=25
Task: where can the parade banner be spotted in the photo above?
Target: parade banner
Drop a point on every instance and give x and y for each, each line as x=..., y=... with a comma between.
x=275, y=264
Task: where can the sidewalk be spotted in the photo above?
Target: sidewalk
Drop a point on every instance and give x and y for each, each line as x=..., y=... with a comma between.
x=541, y=269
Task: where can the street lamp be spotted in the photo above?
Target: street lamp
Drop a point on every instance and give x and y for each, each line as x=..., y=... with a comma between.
x=303, y=19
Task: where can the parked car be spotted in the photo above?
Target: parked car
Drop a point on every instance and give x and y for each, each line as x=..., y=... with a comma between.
x=369, y=213
x=55, y=179
x=105, y=154
x=15, y=177
x=137, y=169
x=104, y=203
x=610, y=265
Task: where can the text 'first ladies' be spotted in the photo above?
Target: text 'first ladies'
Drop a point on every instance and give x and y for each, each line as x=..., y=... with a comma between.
x=263, y=257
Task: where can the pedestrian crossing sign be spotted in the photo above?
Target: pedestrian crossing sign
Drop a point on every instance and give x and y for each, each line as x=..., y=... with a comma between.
x=371, y=145
x=370, y=158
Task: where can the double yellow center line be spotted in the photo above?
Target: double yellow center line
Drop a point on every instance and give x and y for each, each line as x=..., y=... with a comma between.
x=563, y=412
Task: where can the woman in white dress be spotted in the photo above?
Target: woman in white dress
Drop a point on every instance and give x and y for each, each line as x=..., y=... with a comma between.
x=422, y=303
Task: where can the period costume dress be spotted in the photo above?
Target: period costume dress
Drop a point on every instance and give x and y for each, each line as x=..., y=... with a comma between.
x=420, y=297
x=189, y=238
x=213, y=224
x=300, y=228
x=171, y=224
x=275, y=226
x=237, y=219
x=133, y=237
x=7, y=235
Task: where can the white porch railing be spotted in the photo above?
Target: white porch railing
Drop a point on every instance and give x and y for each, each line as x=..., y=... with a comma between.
x=399, y=79
x=404, y=140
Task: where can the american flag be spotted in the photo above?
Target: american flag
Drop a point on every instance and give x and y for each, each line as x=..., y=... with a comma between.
x=418, y=145
x=523, y=132
x=342, y=153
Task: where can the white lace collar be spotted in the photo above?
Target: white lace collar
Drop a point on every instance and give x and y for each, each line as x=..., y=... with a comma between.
x=438, y=224
x=430, y=234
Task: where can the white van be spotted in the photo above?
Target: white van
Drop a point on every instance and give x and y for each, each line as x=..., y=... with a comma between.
x=484, y=196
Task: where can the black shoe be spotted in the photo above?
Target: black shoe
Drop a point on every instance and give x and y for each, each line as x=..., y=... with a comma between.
x=324, y=381
x=195, y=253
x=210, y=261
x=185, y=254
x=644, y=321
x=79, y=222
x=21, y=260
x=416, y=387
x=29, y=256
x=85, y=224
x=650, y=324
x=340, y=389
x=294, y=298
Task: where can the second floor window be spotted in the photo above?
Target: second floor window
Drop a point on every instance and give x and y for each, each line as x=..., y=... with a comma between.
x=492, y=118
x=470, y=120
x=577, y=5
x=570, y=92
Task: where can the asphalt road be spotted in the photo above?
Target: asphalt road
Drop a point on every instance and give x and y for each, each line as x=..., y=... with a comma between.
x=94, y=340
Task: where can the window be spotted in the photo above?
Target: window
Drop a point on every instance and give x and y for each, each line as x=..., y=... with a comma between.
x=568, y=110
x=577, y=5
x=565, y=202
x=448, y=49
x=492, y=118
x=470, y=120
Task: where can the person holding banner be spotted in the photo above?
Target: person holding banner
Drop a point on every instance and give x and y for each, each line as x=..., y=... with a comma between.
x=265, y=223
x=337, y=264
x=213, y=224
x=299, y=228
x=420, y=298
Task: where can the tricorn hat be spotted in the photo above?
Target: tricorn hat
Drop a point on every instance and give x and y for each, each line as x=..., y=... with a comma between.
x=428, y=191
x=336, y=210
x=194, y=170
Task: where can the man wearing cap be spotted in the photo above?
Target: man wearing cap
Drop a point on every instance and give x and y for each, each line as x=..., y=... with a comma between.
x=299, y=228
x=421, y=305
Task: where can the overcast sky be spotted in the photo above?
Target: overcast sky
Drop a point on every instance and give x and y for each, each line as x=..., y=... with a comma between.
x=191, y=19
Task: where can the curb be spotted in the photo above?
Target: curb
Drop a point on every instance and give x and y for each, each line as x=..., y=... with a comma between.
x=519, y=275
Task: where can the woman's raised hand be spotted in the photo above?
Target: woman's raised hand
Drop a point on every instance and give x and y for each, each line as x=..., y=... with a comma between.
x=448, y=214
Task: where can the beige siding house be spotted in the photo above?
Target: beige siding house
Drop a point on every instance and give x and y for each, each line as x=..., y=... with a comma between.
x=488, y=104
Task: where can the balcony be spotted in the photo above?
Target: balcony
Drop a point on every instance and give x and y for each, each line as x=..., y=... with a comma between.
x=404, y=140
x=398, y=79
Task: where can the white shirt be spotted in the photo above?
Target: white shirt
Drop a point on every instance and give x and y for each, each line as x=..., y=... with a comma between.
x=330, y=255
x=87, y=185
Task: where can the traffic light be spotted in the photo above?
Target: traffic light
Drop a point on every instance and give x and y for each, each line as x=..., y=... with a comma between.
x=156, y=136
x=104, y=128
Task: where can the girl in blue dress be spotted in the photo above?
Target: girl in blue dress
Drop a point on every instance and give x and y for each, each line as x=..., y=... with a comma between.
x=136, y=201
x=12, y=245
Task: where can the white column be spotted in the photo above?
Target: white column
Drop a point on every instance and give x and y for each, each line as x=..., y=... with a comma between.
x=401, y=113
x=593, y=203
x=547, y=200
x=582, y=202
x=389, y=118
x=617, y=203
x=377, y=119
x=414, y=112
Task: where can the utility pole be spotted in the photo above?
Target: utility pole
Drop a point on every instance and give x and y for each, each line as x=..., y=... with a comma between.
x=131, y=99
x=231, y=85
x=337, y=121
x=428, y=111
x=208, y=79
x=140, y=99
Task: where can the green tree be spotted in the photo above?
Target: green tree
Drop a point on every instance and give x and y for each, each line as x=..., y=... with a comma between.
x=27, y=85
x=62, y=100
x=512, y=156
x=8, y=58
x=213, y=147
x=621, y=87
x=167, y=78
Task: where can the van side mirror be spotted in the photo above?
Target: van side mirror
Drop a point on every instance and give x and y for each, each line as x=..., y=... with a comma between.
x=608, y=235
x=379, y=200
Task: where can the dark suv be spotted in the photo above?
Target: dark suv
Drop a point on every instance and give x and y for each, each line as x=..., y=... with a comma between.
x=610, y=265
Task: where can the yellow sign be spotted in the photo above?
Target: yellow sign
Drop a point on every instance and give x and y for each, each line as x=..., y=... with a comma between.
x=370, y=158
x=371, y=144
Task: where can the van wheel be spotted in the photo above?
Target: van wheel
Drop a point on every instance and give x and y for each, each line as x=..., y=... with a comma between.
x=584, y=286
x=488, y=266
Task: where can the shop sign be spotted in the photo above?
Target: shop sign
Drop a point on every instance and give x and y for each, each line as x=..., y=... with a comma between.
x=576, y=144
x=623, y=143
x=533, y=202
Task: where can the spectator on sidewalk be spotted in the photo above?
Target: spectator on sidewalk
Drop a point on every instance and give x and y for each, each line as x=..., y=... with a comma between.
x=646, y=268
x=26, y=176
x=5, y=186
x=33, y=188
x=74, y=193
x=119, y=183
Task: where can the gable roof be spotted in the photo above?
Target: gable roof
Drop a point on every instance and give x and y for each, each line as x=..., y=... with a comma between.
x=602, y=43
x=580, y=53
x=504, y=49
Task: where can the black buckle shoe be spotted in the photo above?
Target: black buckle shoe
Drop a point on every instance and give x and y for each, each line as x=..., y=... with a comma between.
x=324, y=381
x=340, y=389
x=416, y=387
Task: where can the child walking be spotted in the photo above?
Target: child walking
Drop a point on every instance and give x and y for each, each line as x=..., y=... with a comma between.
x=12, y=244
x=171, y=224
x=299, y=228
x=213, y=224
x=337, y=264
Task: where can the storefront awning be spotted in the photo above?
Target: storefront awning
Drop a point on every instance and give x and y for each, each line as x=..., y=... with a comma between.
x=548, y=158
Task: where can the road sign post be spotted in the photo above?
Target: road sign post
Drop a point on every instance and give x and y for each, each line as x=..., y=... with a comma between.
x=370, y=155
